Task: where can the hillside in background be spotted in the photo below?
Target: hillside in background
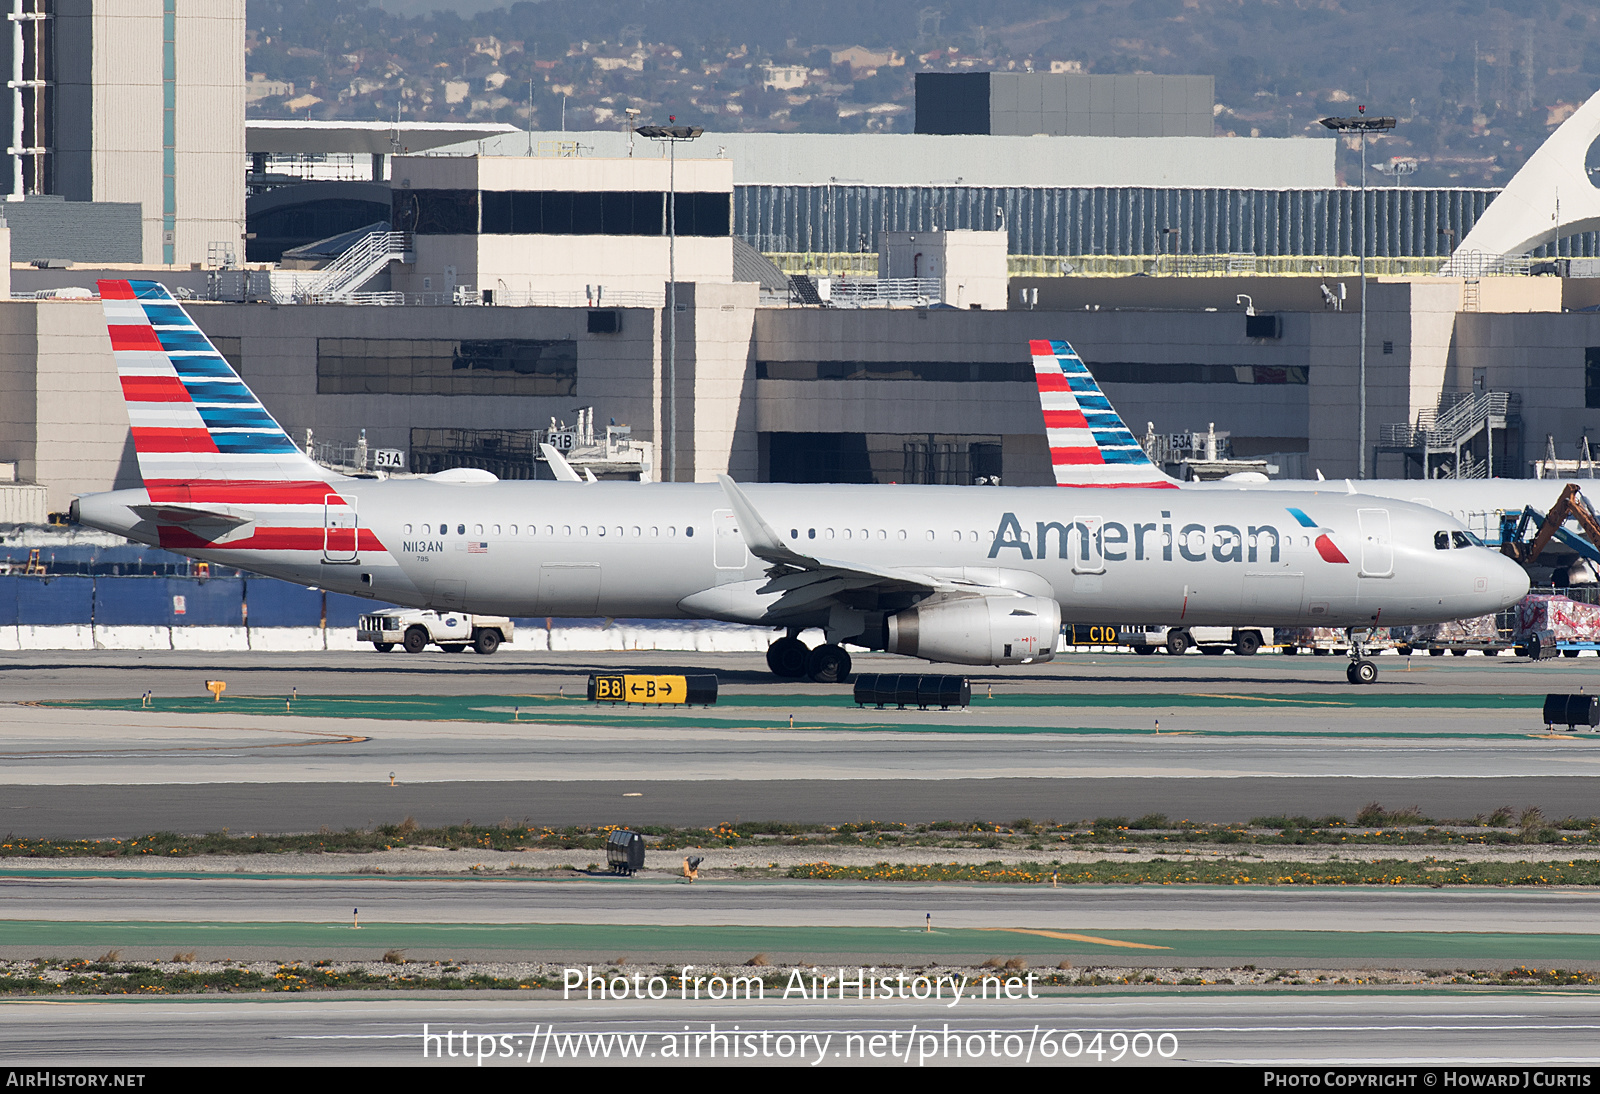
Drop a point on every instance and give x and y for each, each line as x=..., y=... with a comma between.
x=1476, y=84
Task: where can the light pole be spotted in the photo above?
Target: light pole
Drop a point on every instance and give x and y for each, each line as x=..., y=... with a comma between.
x=1363, y=125
x=672, y=136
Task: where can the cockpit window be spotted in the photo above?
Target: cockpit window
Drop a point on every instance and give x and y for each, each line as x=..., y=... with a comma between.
x=1465, y=539
x=1441, y=541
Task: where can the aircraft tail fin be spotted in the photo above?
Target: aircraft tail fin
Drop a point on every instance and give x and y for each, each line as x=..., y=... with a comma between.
x=1089, y=444
x=192, y=418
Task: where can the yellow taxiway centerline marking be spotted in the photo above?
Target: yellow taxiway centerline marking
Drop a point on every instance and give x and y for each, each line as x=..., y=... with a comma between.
x=1070, y=937
x=1269, y=699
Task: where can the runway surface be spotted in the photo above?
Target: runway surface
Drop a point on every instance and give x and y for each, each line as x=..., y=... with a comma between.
x=1240, y=737
x=63, y=674
x=662, y=921
x=123, y=811
x=1282, y=1028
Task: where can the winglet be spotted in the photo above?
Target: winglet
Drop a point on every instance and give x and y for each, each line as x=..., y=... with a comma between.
x=758, y=535
x=558, y=464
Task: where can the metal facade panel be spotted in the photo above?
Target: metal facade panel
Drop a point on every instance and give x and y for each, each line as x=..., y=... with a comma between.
x=1400, y=222
x=77, y=231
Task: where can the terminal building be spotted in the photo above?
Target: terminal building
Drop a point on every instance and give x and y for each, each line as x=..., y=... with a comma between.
x=848, y=308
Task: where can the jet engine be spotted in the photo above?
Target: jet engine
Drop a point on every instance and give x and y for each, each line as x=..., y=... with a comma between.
x=977, y=630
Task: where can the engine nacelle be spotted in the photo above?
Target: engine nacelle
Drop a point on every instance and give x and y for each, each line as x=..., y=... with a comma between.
x=977, y=630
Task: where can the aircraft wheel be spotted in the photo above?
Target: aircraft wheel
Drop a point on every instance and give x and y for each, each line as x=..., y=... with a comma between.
x=1144, y=648
x=1361, y=672
x=1247, y=644
x=383, y=647
x=1177, y=643
x=486, y=641
x=788, y=658
x=416, y=639
x=828, y=665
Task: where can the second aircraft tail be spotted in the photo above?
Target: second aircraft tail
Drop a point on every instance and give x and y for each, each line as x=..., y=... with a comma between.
x=1089, y=444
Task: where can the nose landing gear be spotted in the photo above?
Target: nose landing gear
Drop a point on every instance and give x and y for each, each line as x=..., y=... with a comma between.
x=1360, y=670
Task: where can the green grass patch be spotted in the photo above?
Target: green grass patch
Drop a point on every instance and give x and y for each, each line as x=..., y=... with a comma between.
x=1161, y=872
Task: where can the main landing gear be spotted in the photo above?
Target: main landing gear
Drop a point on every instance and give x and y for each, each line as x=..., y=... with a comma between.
x=1360, y=670
x=791, y=659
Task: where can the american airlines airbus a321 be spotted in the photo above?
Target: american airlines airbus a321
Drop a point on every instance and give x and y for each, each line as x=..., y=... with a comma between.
x=969, y=575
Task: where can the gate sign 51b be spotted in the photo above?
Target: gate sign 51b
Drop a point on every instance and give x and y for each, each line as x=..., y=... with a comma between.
x=632, y=688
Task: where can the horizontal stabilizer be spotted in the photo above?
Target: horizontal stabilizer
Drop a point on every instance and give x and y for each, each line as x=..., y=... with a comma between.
x=189, y=515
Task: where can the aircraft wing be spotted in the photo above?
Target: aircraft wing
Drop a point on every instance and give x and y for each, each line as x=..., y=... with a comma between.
x=807, y=582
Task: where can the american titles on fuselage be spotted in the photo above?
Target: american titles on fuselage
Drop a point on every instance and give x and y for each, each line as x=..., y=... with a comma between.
x=1115, y=541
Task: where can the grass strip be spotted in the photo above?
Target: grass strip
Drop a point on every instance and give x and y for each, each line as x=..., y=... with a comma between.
x=582, y=943
x=119, y=978
x=1374, y=826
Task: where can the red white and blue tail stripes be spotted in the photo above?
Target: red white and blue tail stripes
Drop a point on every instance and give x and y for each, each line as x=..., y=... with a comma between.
x=1089, y=445
x=220, y=473
x=192, y=417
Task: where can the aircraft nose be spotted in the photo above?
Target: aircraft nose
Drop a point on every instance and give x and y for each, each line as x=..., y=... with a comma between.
x=1512, y=579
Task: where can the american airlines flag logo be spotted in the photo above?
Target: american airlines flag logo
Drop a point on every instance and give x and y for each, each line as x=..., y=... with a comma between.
x=477, y=548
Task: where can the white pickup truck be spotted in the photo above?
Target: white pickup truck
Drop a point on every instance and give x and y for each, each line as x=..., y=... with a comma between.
x=1244, y=641
x=415, y=629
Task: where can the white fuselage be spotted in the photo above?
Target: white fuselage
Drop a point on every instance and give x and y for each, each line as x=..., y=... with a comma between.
x=674, y=551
